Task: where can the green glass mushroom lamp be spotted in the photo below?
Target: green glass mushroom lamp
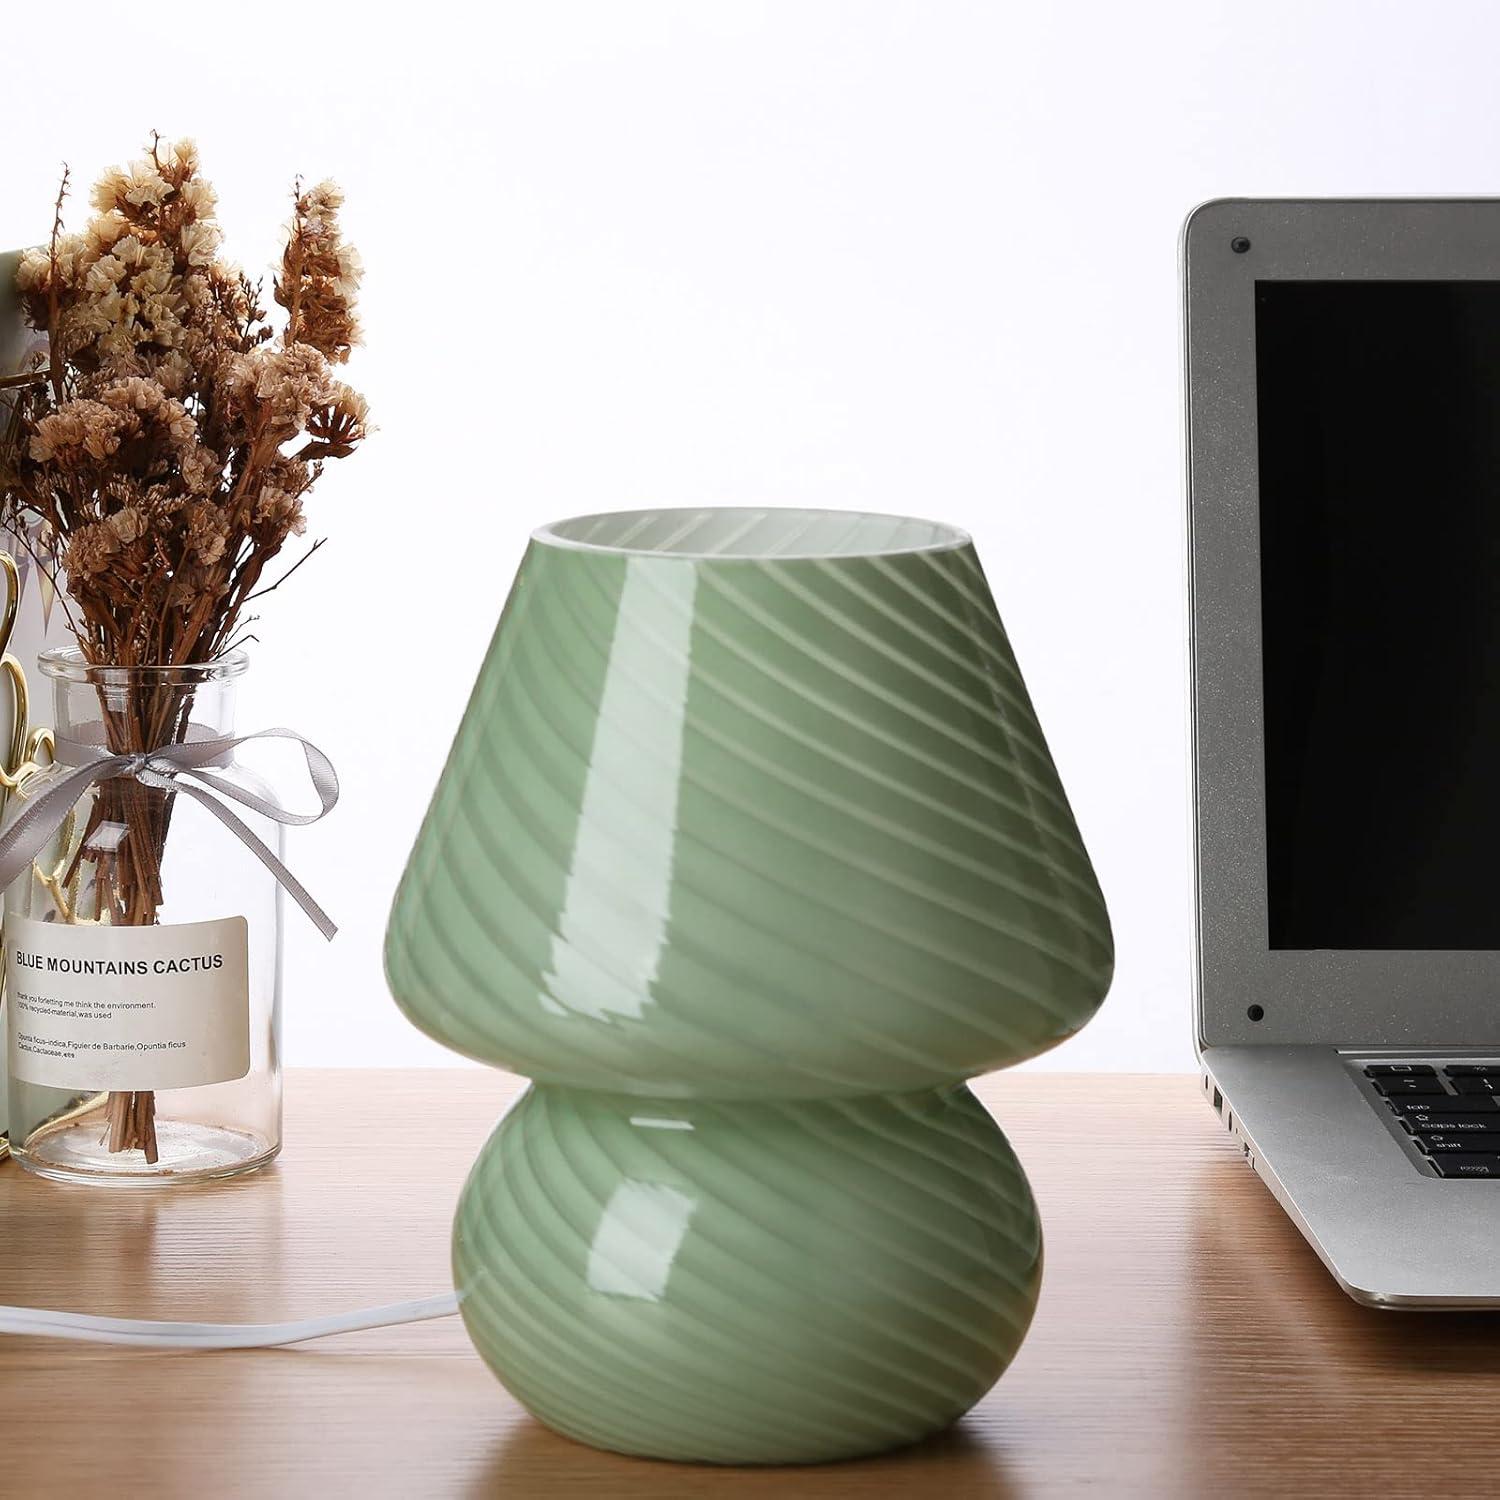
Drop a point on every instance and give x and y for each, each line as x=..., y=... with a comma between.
x=749, y=850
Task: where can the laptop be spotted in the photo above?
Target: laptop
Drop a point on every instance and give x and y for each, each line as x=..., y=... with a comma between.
x=1343, y=444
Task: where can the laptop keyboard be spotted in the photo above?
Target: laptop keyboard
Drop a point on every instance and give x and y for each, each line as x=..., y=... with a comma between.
x=1451, y=1112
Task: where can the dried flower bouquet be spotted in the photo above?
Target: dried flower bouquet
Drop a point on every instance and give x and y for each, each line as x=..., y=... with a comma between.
x=166, y=443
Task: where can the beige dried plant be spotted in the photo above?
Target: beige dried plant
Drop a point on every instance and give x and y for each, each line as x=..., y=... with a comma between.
x=173, y=434
x=162, y=449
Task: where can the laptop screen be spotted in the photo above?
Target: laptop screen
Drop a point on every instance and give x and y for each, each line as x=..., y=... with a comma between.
x=1379, y=429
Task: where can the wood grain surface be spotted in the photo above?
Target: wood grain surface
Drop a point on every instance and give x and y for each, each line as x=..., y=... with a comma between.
x=1187, y=1343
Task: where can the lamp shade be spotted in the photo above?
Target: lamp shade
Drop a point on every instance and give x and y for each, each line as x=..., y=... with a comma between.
x=749, y=838
x=749, y=804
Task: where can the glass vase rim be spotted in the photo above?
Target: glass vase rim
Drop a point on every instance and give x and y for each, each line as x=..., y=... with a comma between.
x=68, y=664
x=944, y=537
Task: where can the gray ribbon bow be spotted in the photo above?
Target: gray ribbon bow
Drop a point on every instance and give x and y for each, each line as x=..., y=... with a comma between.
x=168, y=769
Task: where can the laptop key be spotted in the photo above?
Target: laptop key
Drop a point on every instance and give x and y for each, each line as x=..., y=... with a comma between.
x=1443, y=1145
x=1457, y=1127
x=1398, y=1070
x=1468, y=1083
x=1449, y=1104
x=1406, y=1087
x=1468, y=1165
x=1473, y=1070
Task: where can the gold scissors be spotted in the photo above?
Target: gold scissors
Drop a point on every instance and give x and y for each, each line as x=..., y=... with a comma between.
x=26, y=744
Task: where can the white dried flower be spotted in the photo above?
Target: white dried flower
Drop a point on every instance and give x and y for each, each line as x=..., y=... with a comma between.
x=200, y=243
x=198, y=197
x=145, y=185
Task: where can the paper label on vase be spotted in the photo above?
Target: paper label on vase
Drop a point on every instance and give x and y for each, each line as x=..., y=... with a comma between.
x=94, y=1007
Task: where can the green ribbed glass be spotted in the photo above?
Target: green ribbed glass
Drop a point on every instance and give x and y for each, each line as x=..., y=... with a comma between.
x=749, y=849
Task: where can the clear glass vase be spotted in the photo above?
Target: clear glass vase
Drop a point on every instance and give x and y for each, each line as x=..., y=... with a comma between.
x=143, y=948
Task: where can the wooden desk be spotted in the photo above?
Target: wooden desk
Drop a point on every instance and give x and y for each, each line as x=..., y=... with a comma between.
x=1187, y=1342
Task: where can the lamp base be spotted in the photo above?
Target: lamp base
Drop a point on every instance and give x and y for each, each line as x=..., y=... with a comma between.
x=747, y=1283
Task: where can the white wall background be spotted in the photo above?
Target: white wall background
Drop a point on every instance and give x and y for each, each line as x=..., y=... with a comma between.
x=915, y=256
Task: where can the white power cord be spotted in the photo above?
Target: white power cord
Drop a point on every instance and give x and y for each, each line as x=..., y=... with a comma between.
x=34, y=1322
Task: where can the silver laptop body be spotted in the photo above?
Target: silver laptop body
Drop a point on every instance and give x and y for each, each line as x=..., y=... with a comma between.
x=1343, y=445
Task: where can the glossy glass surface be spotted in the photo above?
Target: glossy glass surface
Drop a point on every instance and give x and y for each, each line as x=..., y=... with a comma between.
x=748, y=1283
x=748, y=848
x=750, y=825
x=220, y=1129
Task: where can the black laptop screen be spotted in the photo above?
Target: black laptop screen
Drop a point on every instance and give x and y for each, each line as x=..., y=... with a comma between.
x=1379, y=421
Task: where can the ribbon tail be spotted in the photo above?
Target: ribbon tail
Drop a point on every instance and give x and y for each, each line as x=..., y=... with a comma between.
x=264, y=853
x=266, y=808
x=196, y=756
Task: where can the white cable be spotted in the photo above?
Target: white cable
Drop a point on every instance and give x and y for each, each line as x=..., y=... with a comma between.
x=35, y=1322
